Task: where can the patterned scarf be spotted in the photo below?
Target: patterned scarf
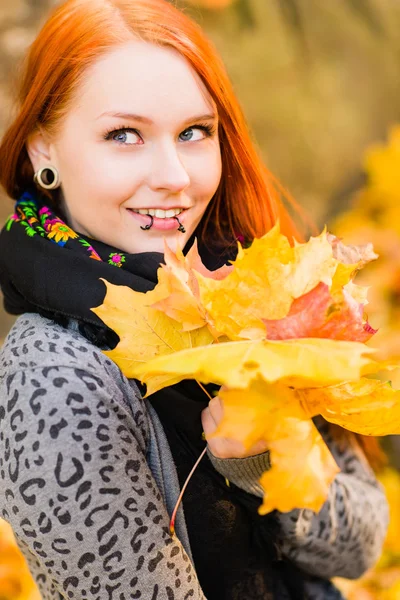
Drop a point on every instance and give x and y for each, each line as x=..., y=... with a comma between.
x=40, y=220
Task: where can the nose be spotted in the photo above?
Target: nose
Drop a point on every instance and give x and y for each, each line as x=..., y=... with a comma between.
x=168, y=171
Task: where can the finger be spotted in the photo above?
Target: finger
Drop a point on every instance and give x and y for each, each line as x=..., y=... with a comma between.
x=207, y=421
x=226, y=448
x=216, y=408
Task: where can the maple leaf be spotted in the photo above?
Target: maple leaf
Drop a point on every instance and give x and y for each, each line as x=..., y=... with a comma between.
x=264, y=281
x=354, y=255
x=357, y=292
x=144, y=332
x=302, y=469
x=251, y=415
x=366, y=406
x=319, y=315
x=194, y=263
x=351, y=259
x=177, y=290
x=335, y=312
x=301, y=363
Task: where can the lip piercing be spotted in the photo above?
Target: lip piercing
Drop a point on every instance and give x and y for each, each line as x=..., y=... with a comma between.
x=149, y=225
x=181, y=227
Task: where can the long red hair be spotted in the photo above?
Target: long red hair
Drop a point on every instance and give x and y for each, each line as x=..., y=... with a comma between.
x=77, y=33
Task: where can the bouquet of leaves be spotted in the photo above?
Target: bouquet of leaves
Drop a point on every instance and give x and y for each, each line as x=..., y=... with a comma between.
x=283, y=330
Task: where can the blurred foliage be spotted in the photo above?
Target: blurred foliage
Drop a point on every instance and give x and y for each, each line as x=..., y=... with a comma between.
x=375, y=217
x=16, y=582
x=382, y=582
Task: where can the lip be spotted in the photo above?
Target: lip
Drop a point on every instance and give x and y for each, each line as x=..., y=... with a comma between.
x=160, y=224
x=163, y=207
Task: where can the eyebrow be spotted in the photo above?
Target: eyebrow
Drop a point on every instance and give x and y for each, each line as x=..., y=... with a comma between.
x=147, y=121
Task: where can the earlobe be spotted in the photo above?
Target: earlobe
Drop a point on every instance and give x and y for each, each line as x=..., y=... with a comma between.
x=46, y=174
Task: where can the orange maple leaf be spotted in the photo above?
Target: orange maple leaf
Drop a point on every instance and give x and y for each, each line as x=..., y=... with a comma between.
x=178, y=289
x=319, y=315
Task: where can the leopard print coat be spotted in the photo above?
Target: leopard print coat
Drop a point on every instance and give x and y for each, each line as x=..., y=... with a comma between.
x=88, y=482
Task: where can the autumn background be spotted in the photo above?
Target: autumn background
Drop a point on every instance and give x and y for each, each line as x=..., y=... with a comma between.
x=320, y=85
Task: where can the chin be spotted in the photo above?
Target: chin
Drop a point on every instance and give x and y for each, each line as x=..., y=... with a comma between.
x=159, y=244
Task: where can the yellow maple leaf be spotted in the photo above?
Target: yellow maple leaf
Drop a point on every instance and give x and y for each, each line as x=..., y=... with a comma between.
x=302, y=469
x=351, y=258
x=264, y=281
x=357, y=292
x=144, y=332
x=254, y=414
x=367, y=406
x=301, y=363
x=176, y=293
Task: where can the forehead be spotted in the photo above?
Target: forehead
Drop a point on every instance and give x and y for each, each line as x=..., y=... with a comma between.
x=145, y=79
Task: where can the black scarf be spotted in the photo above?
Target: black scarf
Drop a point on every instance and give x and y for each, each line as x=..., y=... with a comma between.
x=47, y=268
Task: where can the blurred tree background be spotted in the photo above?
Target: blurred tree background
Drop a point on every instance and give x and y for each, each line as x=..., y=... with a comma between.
x=319, y=83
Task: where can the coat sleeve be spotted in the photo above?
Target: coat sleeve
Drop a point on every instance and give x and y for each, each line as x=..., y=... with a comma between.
x=346, y=537
x=78, y=493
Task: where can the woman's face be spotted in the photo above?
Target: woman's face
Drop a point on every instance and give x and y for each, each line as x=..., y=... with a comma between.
x=140, y=139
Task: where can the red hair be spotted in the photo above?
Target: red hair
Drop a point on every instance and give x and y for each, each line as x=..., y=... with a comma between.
x=77, y=33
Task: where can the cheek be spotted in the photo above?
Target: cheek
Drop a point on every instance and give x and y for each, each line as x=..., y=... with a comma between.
x=100, y=176
x=206, y=174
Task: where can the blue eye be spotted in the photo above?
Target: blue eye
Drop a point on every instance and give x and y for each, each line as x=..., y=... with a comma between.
x=203, y=131
x=125, y=136
x=187, y=135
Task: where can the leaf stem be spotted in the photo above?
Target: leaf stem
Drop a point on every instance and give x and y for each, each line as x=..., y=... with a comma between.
x=203, y=388
x=172, y=522
x=173, y=517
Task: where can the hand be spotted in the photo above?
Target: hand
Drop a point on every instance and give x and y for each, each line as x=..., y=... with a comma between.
x=223, y=447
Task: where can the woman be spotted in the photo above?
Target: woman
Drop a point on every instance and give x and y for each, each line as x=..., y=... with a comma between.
x=128, y=132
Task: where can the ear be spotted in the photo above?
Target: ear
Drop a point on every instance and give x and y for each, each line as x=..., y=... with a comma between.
x=38, y=148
